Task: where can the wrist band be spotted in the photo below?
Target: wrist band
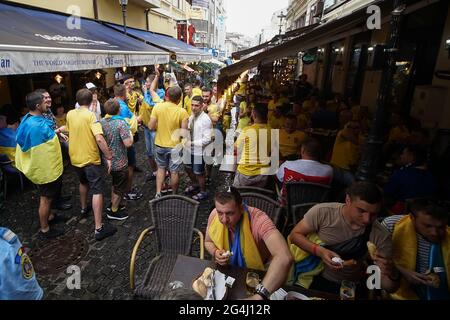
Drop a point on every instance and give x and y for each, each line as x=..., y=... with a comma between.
x=314, y=249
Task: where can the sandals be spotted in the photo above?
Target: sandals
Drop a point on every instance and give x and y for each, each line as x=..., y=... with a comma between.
x=200, y=196
x=191, y=189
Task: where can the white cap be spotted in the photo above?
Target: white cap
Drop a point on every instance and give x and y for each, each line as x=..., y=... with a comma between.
x=90, y=85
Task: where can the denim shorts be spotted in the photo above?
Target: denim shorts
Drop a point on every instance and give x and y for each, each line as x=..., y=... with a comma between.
x=150, y=142
x=197, y=164
x=168, y=158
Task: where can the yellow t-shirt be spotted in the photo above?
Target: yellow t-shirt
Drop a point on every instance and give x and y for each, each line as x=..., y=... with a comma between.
x=145, y=112
x=309, y=106
x=345, y=153
x=213, y=111
x=242, y=89
x=132, y=100
x=272, y=105
x=276, y=123
x=302, y=121
x=60, y=121
x=196, y=92
x=398, y=134
x=290, y=142
x=169, y=117
x=187, y=105
x=83, y=126
x=250, y=140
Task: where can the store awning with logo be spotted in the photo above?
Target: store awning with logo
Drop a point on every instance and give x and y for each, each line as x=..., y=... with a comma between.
x=183, y=51
x=35, y=41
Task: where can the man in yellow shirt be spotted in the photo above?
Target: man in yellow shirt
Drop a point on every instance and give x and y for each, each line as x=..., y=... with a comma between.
x=210, y=108
x=134, y=98
x=276, y=119
x=345, y=154
x=86, y=137
x=290, y=138
x=254, y=163
x=274, y=103
x=166, y=119
x=196, y=90
x=186, y=103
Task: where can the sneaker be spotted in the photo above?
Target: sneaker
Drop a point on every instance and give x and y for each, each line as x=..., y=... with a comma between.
x=132, y=196
x=121, y=208
x=84, y=212
x=119, y=215
x=200, y=196
x=191, y=190
x=51, y=233
x=166, y=188
x=57, y=219
x=158, y=195
x=105, y=231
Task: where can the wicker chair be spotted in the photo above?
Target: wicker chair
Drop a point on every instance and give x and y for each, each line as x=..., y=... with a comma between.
x=266, y=204
x=173, y=228
x=265, y=192
x=299, y=210
x=299, y=193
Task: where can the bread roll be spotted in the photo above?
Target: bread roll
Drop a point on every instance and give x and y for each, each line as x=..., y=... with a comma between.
x=372, y=249
x=200, y=287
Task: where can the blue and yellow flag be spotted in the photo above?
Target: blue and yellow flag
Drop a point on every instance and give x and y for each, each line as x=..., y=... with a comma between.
x=8, y=143
x=38, y=152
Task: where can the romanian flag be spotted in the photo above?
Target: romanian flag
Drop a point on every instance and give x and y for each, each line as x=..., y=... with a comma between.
x=38, y=152
x=8, y=143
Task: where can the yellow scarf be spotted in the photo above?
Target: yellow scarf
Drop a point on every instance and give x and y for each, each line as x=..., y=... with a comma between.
x=404, y=242
x=218, y=233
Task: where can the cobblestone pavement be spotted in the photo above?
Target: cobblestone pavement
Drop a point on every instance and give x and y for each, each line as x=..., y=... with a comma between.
x=105, y=264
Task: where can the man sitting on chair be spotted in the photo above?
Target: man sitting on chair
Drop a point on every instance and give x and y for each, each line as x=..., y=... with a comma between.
x=251, y=237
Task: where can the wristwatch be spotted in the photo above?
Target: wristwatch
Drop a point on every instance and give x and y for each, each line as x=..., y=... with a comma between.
x=263, y=292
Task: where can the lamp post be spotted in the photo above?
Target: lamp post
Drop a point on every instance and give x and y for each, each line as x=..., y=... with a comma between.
x=371, y=153
x=123, y=4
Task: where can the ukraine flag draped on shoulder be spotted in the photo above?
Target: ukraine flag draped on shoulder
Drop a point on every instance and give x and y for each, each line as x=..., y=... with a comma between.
x=245, y=251
x=8, y=143
x=38, y=152
x=306, y=265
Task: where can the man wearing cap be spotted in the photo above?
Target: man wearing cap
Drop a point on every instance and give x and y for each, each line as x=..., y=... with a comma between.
x=95, y=105
x=17, y=277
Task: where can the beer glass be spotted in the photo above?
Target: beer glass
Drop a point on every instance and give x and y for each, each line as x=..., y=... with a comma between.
x=252, y=280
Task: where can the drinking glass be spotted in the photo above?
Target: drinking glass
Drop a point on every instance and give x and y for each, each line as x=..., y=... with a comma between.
x=348, y=289
x=252, y=280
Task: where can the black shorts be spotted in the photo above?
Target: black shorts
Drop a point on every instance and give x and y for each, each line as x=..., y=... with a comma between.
x=91, y=175
x=51, y=190
x=131, y=154
x=120, y=181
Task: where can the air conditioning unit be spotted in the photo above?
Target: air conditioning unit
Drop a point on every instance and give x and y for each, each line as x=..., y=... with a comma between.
x=319, y=9
x=428, y=105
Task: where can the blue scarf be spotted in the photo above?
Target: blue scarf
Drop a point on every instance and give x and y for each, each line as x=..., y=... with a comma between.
x=238, y=259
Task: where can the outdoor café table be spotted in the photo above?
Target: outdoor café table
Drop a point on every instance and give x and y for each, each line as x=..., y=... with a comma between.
x=187, y=269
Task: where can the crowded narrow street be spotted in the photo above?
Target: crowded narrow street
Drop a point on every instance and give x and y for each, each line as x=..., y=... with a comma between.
x=225, y=150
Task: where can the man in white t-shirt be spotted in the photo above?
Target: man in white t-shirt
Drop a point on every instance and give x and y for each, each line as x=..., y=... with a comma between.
x=95, y=105
x=307, y=169
x=200, y=128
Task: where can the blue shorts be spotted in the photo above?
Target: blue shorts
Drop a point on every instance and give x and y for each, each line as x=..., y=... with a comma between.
x=168, y=158
x=150, y=142
x=131, y=154
x=197, y=164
